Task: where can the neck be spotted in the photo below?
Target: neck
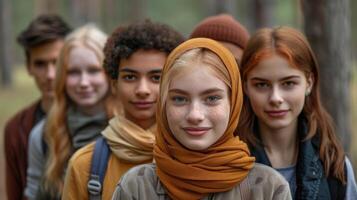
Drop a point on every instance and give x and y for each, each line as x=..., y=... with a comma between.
x=91, y=110
x=46, y=104
x=281, y=145
x=144, y=124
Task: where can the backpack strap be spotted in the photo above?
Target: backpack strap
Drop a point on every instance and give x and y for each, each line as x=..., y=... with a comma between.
x=245, y=189
x=99, y=164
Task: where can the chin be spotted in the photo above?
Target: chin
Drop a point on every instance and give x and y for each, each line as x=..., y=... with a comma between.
x=196, y=147
x=49, y=95
x=86, y=103
x=143, y=115
x=279, y=125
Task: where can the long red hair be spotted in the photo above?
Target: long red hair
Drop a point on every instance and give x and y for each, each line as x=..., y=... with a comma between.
x=292, y=45
x=56, y=133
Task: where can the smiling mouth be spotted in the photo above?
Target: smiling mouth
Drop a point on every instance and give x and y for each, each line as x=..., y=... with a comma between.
x=143, y=104
x=196, y=131
x=85, y=94
x=277, y=113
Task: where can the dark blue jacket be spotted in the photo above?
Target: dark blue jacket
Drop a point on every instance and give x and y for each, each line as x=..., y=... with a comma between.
x=312, y=184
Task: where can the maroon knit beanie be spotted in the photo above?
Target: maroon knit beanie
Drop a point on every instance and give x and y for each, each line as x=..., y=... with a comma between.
x=224, y=28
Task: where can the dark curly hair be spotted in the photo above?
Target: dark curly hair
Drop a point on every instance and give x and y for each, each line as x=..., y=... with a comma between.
x=44, y=29
x=125, y=41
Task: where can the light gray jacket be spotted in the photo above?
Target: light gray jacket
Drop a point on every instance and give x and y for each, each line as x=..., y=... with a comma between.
x=263, y=182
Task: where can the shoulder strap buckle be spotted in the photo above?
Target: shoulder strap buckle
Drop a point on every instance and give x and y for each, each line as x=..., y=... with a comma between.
x=94, y=186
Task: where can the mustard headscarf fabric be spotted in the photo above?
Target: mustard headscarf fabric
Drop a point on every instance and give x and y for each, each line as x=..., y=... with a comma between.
x=188, y=174
x=128, y=141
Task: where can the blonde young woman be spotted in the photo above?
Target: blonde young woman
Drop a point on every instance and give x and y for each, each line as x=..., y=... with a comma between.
x=196, y=155
x=80, y=111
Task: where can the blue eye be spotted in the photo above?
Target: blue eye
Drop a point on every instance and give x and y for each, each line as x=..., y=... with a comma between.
x=213, y=99
x=179, y=100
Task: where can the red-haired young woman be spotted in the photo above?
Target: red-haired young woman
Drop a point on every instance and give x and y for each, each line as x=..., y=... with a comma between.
x=283, y=119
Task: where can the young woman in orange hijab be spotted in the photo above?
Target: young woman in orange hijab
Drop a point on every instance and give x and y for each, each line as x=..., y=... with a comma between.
x=196, y=155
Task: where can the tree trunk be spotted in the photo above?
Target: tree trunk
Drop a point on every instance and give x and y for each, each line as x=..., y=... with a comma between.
x=328, y=29
x=46, y=6
x=263, y=13
x=77, y=13
x=215, y=7
x=93, y=10
x=137, y=10
x=5, y=43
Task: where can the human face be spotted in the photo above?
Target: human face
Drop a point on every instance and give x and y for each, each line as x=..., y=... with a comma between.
x=138, y=85
x=86, y=83
x=234, y=49
x=276, y=91
x=42, y=66
x=197, y=108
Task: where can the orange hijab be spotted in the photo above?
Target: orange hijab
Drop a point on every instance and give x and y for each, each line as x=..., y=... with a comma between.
x=188, y=174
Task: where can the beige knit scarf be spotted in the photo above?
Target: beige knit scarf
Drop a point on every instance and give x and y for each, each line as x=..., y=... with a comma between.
x=128, y=141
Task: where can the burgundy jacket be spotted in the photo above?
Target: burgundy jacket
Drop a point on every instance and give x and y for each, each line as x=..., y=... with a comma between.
x=17, y=131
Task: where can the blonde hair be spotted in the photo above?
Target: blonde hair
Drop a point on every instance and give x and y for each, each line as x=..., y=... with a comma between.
x=56, y=133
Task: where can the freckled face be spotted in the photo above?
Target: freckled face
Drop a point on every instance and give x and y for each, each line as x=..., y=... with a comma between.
x=197, y=108
x=276, y=92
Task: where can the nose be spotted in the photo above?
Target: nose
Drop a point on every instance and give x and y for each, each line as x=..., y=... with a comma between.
x=143, y=88
x=276, y=97
x=51, y=72
x=195, y=113
x=84, y=80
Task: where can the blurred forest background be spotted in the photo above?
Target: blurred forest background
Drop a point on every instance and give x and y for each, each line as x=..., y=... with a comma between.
x=330, y=26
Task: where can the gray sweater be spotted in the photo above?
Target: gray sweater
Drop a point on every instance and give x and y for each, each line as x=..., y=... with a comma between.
x=36, y=159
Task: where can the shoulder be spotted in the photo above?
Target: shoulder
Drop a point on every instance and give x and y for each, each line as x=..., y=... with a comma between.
x=140, y=181
x=17, y=130
x=266, y=181
x=83, y=156
x=24, y=114
x=348, y=165
x=137, y=173
x=264, y=171
x=351, y=187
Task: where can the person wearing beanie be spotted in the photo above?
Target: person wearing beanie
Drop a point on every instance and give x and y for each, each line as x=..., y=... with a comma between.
x=226, y=30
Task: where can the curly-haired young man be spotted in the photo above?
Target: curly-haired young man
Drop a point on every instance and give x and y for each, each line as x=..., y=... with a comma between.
x=42, y=41
x=134, y=58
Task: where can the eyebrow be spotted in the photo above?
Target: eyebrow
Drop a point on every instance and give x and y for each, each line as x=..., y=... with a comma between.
x=211, y=90
x=154, y=71
x=283, y=79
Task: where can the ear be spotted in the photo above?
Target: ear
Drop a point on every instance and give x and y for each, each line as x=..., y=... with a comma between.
x=310, y=83
x=113, y=86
